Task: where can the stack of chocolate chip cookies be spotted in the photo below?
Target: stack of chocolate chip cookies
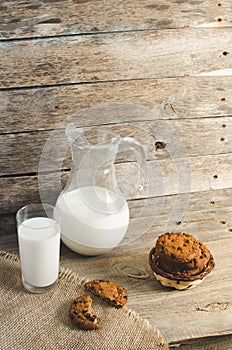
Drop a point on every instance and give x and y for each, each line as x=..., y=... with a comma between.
x=179, y=260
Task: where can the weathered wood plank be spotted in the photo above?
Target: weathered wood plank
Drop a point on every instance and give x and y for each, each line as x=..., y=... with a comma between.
x=43, y=18
x=214, y=343
x=27, y=191
x=206, y=215
x=7, y=224
x=129, y=101
x=202, y=219
x=164, y=176
x=21, y=152
x=118, y=56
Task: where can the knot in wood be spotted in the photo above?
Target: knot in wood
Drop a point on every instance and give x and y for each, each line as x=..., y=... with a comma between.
x=159, y=145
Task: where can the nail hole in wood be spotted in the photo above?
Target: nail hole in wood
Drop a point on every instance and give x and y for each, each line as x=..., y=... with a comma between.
x=230, y=229
x=225, y=53
x=215, y=177
x=219, y=4
x=223, y=99
x=222, y=222
x=222, y=139
x=223, y=126
x=219, y=19
x=56, y=108
x=212, y=202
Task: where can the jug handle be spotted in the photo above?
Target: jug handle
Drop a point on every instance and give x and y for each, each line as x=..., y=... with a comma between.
x=130, y=144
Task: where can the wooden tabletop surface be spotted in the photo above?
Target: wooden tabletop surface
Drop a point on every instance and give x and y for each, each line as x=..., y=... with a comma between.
x=156, y=71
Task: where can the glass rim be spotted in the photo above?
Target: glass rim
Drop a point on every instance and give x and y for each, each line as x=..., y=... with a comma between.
x=42, y=206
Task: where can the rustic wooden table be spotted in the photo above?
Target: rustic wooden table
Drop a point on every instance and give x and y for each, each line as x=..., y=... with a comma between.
x=157, y=71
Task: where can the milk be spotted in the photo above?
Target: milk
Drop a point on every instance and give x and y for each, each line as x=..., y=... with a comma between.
x=93, y=219
x=39, y=248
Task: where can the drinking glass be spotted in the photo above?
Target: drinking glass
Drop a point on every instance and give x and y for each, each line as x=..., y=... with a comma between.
x=38, y=227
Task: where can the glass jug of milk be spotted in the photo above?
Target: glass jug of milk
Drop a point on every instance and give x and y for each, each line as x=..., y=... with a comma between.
x=94, y=211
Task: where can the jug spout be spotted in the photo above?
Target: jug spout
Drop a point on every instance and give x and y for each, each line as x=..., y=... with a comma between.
x=76, y=134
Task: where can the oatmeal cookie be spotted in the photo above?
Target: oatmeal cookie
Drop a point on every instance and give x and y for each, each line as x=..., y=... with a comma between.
x=111, y=292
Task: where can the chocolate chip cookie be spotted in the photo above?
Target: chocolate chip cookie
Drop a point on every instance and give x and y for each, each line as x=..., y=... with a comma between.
x=81, y=315
x=181, y=253
x=111, y=292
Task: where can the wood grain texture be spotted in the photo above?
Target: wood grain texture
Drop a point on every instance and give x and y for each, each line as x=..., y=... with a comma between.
x=206, y=214
x=210, y=343
x=157, y=71
x=25, y=149
x=115, y=56
x=197, y=210
x=164, y=177
x=42, y=18
x=115, y=102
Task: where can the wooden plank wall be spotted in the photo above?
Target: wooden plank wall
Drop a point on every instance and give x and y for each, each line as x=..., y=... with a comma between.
x=166, y=63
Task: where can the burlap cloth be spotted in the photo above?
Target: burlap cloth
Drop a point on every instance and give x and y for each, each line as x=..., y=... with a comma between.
x=41, y=322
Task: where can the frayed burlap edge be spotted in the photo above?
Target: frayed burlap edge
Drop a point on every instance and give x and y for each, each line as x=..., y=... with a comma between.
x=71, y=276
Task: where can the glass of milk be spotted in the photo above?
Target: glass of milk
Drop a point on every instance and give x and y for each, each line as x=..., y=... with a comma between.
x=38, y=228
